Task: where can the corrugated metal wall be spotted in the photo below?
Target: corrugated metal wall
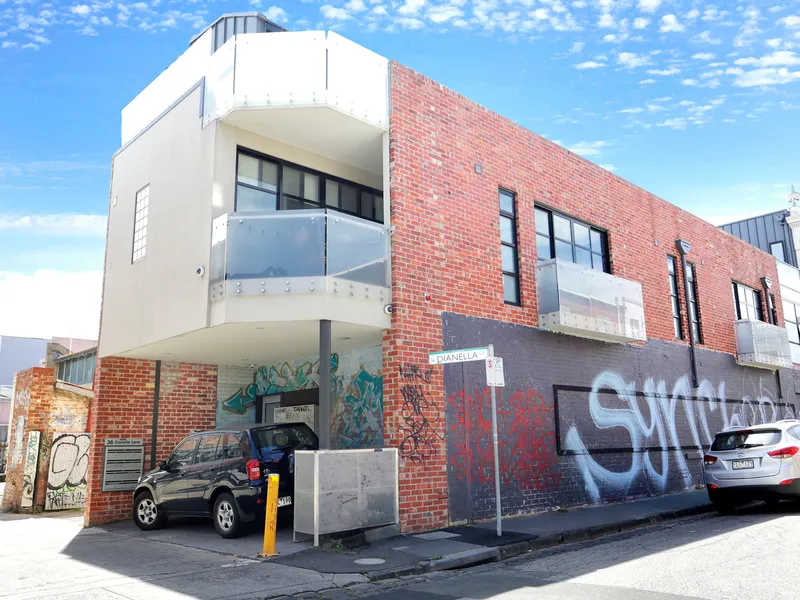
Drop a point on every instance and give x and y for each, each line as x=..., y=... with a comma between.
x=764, y=231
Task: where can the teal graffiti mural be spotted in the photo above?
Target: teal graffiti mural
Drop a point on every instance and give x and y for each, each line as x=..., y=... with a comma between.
x=356, y=386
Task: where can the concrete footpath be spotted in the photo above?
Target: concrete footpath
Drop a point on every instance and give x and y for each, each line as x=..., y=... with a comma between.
x=52, y=556
x=458, y=547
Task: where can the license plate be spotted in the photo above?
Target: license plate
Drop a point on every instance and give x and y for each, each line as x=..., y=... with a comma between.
x=742, y=464
x=287, y=500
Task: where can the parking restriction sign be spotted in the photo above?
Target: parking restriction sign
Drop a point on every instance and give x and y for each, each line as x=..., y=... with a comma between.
x=495, y=377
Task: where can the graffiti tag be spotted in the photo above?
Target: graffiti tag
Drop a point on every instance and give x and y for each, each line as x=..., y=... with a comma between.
x=66, y=478
x=419, y=416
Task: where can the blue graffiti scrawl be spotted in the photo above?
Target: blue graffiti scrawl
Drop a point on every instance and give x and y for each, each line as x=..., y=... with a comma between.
x=356, y=386
x=358, y=416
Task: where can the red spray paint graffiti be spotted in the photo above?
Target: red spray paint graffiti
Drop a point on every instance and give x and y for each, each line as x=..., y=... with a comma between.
x=526, y=434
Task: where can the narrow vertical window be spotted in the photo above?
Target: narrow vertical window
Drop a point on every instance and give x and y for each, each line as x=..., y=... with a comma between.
x=694, y=312
x=141, y=211
x=673, y=292
x=508, y=241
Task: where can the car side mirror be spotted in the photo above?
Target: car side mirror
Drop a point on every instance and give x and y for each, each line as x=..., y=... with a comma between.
x=162, y=465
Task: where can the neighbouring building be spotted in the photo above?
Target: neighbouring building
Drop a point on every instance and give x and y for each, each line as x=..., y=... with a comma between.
x=48, y=451
x=303, y=232
x=18, y=354
x=777, y=233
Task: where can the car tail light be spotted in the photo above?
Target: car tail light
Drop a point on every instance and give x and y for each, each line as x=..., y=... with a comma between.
x=709, y=460
x=711, y=486
x=787, y=482
x=787, y=452
x=253, y=469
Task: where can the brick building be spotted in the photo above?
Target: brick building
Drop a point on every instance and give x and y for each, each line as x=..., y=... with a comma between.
x=219, y=306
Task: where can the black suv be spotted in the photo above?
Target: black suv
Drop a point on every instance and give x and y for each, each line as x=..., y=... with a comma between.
x=222, y=474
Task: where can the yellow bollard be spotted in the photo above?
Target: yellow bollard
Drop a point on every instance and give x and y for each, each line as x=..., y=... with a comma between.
x=271, y=518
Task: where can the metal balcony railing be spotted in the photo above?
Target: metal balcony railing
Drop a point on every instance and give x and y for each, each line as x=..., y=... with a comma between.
x=762, y=345
x=303, y=251
x=580, y=301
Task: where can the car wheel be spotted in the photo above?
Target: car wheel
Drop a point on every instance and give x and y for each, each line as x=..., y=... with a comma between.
x=146, y=513
x=227, y=520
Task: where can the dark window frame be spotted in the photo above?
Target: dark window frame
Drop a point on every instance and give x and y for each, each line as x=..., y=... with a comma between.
x=783, y=251
x=791, y=316
x=757, y=302
x=552, y=238
x=675, y=297
x=321, y=202
x=512, y=217
x=693, y=310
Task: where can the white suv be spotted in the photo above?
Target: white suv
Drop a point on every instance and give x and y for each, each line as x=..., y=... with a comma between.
x=761, y=462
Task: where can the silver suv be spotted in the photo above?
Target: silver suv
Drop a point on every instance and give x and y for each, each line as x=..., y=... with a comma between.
x=761, y=462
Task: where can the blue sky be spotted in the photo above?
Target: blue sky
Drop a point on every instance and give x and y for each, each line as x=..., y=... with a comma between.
x=695, y=102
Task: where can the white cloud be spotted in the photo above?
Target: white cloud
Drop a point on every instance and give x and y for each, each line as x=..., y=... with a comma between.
x=81, y=9
x=615, y=38
x=409, y=23
x=356, y=6
x=774, y=42
x=781, y=58
x=649, y=5
x=790, y=22
x=669, y=23
x=763, y=77
x=30, y=46
x=443, y=13
x=631, y=60
x=589, y=148
x=9, y=45
x=606, y=21
x=692, y=15
x=679, y=123
x=411, y=7
x=63, y=224
x=647, y=81
x=632, y=111
x=88, y=31
x=577, y=47
x=664, y=72
x=640, y=22
x=276, y=14
x=689, y=82
x=655, y=108
x=27, y=307
x=705, y=37
x=608, y=167
x=590, y=64
x=703, y=56
x=332, y=12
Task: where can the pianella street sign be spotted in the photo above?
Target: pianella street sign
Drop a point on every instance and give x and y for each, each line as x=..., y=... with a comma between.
x=456, y=356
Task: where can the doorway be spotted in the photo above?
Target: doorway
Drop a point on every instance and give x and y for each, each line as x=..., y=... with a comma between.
x=268, y=406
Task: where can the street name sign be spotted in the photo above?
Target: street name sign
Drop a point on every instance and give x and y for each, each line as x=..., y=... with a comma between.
x=456, y=356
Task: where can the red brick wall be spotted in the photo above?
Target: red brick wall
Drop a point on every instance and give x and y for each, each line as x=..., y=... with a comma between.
x=123, y=408
x=446, y=243
x=33, y=398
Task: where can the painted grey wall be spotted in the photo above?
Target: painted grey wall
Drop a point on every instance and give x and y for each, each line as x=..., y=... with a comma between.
x=18, y=354
x=764, y=230
x=582, y=422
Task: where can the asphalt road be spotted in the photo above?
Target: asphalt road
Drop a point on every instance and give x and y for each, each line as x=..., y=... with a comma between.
x=748, y=556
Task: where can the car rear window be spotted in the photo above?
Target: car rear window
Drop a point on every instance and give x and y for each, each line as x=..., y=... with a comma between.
x=282, y=437
x=736, y=440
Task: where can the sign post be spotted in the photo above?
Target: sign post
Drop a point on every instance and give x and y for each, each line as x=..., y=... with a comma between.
x=494, y=378
x=490, y=366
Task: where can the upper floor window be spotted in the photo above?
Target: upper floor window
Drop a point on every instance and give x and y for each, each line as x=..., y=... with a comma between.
x=776, y=249
x=748, y=303
x=673, y=292
x=267, y=184
x=694, y=311
x=791, y=315
x=141, y=210
x=559, y=236
x=508, y=247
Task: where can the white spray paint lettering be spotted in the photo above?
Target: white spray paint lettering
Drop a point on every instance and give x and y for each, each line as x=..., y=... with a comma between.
x=662, y=408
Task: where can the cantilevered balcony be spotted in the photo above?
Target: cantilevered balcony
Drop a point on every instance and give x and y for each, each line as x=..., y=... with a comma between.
x=580, y=301
x=762, y=345
x=334, y=265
